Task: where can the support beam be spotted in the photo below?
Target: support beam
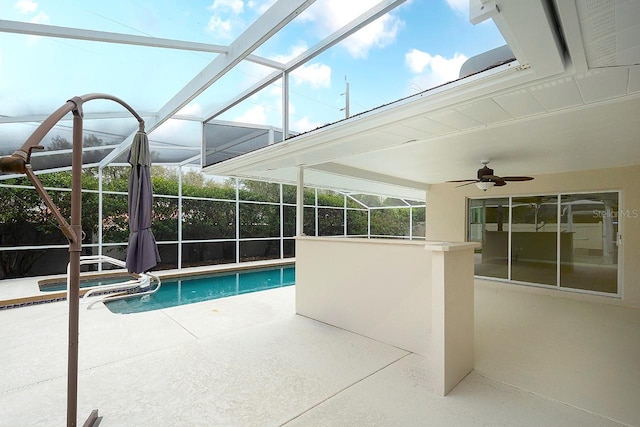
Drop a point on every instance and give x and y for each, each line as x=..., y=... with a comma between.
x=38, y=118
x=568, y=15
x=118, y=38
x=300, y=202
x=285, y=105
x=517, y=20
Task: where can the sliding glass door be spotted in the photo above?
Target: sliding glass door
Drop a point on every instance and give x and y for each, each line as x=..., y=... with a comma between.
x=562, y=240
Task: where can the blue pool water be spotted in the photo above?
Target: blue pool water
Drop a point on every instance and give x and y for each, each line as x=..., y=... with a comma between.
x=174, y=292
x=62, y=285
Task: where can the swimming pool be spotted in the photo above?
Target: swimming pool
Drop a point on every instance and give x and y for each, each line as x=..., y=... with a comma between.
x=61, y=285
x=192, y=289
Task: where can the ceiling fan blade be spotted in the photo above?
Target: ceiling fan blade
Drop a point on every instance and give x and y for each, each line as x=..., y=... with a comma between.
x=500, y=183
x=517, y=178
x=468, y=183
x=462, y=180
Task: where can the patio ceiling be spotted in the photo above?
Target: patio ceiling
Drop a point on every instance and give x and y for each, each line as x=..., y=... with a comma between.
x=570, y=102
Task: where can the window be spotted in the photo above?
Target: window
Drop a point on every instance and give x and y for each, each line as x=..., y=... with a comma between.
x=565, y=240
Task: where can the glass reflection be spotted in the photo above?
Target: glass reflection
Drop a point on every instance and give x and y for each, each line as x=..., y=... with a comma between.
x=534, y=244
x=489, y=225
x=590, y=222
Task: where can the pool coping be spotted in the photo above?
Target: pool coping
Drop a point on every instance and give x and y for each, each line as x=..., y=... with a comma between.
x=33, y=295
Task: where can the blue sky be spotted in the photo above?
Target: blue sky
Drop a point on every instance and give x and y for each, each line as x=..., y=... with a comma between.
x=419, y=45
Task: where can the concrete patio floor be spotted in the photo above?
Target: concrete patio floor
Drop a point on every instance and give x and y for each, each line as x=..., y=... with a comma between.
x=251, y=361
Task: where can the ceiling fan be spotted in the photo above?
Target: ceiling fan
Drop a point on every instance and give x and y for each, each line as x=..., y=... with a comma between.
x=486, y=179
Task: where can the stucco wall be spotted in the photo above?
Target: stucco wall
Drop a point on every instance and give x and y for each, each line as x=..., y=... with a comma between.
x=377, y=288
x=446, y=215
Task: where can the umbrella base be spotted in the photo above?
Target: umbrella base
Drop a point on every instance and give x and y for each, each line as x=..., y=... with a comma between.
x=93, y=420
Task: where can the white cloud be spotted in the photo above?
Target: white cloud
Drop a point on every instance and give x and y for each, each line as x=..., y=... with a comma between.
x=226, y=21
x=296, y=50
x=219, y=27
x=316, y=75
x=25, y=6
x=176, y=130
x=334, y=14
x=460, y=6
x=40, y=18
x=192, y=109
x=304, y=125
x=433, y=70
x=255, y=115
x=379, y=33
x=417, y=60
x=260, y=7
x=235, y=6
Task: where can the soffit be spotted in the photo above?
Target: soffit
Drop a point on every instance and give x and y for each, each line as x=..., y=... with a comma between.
x=610, y=32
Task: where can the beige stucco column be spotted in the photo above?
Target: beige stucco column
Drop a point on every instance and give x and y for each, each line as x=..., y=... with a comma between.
x=451, y=346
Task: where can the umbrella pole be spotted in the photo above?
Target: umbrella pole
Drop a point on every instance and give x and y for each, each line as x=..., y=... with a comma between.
x=19, y=162
x=75, y=248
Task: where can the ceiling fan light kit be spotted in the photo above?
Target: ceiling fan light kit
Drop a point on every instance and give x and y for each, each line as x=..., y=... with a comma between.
x=485, y=185
x=486, y=179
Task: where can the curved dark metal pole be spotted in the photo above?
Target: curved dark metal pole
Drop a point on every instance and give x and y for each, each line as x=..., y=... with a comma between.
x=75, y=249
x=19, y=162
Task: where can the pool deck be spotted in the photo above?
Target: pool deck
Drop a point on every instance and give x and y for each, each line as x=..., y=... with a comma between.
x=250, y=360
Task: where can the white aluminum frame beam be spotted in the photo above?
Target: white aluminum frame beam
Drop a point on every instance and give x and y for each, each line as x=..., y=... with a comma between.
x=268, y=24
x=38, y=118
x=42, y=30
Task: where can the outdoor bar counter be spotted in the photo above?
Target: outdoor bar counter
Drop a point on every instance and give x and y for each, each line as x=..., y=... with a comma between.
x=415, y=295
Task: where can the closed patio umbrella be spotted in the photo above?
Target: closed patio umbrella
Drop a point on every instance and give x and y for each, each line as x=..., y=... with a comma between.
x=142, y=253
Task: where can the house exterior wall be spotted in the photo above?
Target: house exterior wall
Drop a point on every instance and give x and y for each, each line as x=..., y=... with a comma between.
x=446, y=216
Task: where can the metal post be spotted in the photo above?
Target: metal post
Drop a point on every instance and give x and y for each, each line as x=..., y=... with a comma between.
x=315, y=210
x=179, y=216
x=75, y=248
x=344, y=216
x=285, y=105
x=281, y=223
x=300, y=203
x=237, y=220
x=346, y=99
x=346, y=103
x=100, y=213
